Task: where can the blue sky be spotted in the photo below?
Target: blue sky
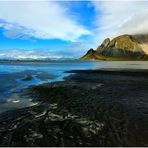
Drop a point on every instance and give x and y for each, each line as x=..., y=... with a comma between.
x=65, y=29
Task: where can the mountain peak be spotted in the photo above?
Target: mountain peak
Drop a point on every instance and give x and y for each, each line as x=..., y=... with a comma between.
x=125, y=47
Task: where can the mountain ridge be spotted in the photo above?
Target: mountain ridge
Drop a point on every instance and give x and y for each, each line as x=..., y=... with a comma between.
x=123, y=47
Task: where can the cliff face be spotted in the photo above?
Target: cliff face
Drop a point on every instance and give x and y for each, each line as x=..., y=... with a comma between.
x=124, y=47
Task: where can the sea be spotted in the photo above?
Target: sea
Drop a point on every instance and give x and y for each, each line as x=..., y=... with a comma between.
x=17, y=76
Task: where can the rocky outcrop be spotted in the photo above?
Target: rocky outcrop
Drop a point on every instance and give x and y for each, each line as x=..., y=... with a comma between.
x=122, y=47
x=92, y=55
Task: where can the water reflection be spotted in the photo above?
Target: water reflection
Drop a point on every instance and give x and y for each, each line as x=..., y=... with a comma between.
x=18, y=75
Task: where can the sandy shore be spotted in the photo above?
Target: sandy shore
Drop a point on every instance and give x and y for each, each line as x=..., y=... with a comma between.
x=88, y=108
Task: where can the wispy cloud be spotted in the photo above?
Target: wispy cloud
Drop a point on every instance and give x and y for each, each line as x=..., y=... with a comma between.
x=120, y=17
x=31, y=54
x=61, y=20
x=71, y=50
x=39, y=19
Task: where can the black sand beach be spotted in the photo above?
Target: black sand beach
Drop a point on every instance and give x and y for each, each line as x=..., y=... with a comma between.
x=88, y=108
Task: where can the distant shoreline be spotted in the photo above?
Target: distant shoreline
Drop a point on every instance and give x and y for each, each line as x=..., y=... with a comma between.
x=73, y=60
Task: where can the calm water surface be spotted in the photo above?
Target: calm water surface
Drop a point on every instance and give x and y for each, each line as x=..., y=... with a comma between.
x=15, y=76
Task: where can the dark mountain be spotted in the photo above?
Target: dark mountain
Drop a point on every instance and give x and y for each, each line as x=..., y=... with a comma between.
x=124, y=47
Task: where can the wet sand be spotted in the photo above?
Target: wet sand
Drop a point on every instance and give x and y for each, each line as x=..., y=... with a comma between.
x=89, y=108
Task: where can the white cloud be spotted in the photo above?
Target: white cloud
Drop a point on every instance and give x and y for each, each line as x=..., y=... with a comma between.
x=31, y=54
x=71, y=50
x=120, y=17
x=39, y=19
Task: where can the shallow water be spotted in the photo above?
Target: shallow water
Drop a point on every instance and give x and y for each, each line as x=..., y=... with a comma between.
x=15, y=76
